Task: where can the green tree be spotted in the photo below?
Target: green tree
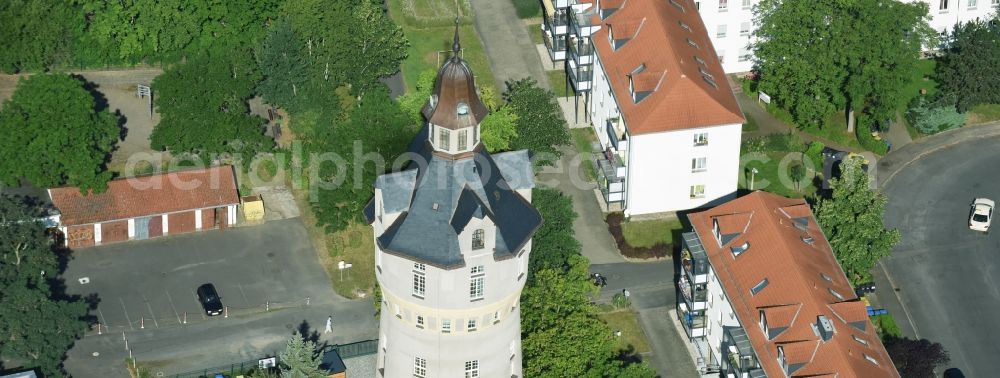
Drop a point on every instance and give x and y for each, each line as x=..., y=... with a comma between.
x=815, y=57
x=55, y=135
x=136, y=30
x=916, y=358
x=376, y=127
x=555, y=236
x=967, y=69
x=934, y=116
x=37, y=33
x=300, y=359
x=498, y=129
x=540, y=125
x=38, y=324
x=413, y=101
x=852, y=220
x=203, y=106
x=282, y=66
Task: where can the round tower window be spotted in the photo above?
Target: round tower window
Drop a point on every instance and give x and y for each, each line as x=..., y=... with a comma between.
x=463, y=108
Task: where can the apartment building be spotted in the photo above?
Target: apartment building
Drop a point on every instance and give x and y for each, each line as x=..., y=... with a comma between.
x=730, y=23
x=762, y=295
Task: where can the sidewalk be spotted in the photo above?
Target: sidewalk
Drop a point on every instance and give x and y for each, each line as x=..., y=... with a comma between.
x=899, y=158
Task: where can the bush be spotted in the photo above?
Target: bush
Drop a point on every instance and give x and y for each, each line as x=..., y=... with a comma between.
x=527, y=8
x=930, y=117
x=886, y=326
x=867, y=141
x=815, y=153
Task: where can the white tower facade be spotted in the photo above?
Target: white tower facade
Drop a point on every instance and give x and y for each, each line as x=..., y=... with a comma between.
x=453, y=236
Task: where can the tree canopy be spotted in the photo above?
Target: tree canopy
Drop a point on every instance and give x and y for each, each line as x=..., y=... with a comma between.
x=815, y=57
x=968, y=68
x=283, y=66
x=37, y=33
x=540, y=125
x=852, y=220
x=300, y=359
x=54, y=134
x=555, y=237
x=38, y=324
x=915, y=358
x=203, y=106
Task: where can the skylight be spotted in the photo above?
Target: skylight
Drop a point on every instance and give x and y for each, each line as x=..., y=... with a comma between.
x=684, y=26
x=738, y=249
x=677, y=5
x=758, y=287
x=692, y=43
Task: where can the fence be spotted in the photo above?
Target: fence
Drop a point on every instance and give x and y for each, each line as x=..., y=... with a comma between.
x=346, y=351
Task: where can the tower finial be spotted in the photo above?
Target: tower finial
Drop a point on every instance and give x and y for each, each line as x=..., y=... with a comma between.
x=456, y=47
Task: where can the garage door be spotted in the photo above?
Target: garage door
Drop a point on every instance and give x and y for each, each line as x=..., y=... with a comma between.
x=142, y=228
x=155, y=226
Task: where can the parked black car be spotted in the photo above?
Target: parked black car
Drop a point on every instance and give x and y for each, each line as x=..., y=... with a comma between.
x=210, y=299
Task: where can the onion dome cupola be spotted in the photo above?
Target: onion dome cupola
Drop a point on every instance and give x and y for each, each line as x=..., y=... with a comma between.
x=454, y=109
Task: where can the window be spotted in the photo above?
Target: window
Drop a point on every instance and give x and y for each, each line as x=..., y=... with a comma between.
x=700, y=139
x=463, y=139
x=744, y=55
x=419, y=284
x=745, y=28
x=697, y=191
x=699, y=164
x=836, y=294
x=476, y=288
x=758, y=287
x=747, y=4
x=475, y=135
x=720, y=31
x=478, y=269
x=472, y=369
x=419, y=367
x=723, y=5
x=444, y=139
x=943, y=6
x=419, y=266
x=420, y=321
x=446, y=326
x=972, y=4
x=722, y=56
x=996, y=3
x=477, y=239
x=471, y=325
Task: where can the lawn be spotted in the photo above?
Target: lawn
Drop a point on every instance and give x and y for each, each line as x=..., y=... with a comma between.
x=557, y=79
x=354, y=245
x=431, y=32
x=919, y=79
x=769, y=172
x=583, y=140
x=835, y=130
x=535, y=31
x=647, y=233
x=983, y=113
x=632, y=339
x=527, y=8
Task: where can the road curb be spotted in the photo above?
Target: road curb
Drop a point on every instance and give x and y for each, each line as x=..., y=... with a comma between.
x=922, y=154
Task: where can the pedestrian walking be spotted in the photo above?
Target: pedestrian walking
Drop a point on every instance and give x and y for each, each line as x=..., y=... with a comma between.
x=329, y=325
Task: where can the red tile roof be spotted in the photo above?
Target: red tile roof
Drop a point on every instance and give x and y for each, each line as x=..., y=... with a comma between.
x=684, y=99
x=797, y=275
x=148, y=195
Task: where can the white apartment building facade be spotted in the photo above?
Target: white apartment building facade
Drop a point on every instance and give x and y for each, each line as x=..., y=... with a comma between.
x=453, y=236
x=763, y=296
x=731, y=24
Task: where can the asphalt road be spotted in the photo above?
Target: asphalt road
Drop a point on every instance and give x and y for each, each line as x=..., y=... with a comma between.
x=263, y=273
x=945, y=273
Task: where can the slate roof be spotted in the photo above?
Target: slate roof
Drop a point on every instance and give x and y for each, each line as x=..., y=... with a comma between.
x=444, y=196
x=148, y=195
x=802, y=278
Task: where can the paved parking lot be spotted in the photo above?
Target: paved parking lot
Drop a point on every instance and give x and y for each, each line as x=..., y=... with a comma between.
x=145, y=289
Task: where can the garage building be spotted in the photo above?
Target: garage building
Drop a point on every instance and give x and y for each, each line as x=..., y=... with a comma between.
x=145, y=207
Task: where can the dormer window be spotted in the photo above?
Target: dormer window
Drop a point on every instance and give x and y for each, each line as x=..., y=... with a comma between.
x=462, y=109
x=478, y=237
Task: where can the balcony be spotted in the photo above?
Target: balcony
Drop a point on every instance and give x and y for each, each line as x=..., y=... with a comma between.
x=610, y=168
x=582, y=52
x=580, y=78
x=740, y=358
x=555, y=44
x=582, y=25
x=696, y=296
x=694, y=261
x=557, y=21
x=694, y=322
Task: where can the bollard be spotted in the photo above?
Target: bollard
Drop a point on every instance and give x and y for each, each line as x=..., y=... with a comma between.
x=142, y=323
x=307, y=301
x=99, y=328
x=225, y=312
x=185, y=318
x=267, y=306
x=125, y=339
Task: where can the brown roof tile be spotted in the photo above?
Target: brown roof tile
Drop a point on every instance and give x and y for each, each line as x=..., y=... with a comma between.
x=148, y=195
x=684, y=99
x=797, y=274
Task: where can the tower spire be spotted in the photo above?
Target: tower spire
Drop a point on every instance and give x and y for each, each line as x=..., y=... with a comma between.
x=456, y=47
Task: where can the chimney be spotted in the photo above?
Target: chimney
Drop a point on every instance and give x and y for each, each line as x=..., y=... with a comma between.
x=825, y=326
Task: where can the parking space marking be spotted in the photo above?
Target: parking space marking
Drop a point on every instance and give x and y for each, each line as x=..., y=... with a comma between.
x=101, y=314
x=151, y=313
x=171, y=300
x=127, y=318
x=245, y=300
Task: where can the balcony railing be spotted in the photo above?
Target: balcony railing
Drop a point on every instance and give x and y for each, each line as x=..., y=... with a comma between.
x=582, y=52
x=695, y=295
x=694, y=322
x=582, y=24
x=694, y=260
x=580, y=79
x=556, y=20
